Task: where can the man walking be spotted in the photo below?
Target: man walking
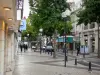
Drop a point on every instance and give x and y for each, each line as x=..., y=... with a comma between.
x=78, y=50
x=24, y=46
x=21, y=47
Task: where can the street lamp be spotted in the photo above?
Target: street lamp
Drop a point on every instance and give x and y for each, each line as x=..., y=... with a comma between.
x=28, y=39
x=79, y=43
x=40, y=30
x=58, y=41
x=64, y=16
x=27, y=34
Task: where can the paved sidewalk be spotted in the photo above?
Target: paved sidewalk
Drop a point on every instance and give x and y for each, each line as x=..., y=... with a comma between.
x=32, y=63
x=89, y=57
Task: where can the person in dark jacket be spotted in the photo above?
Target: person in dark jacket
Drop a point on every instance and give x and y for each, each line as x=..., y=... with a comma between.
x=78, y=50
x=26, y=46
x=21, y=47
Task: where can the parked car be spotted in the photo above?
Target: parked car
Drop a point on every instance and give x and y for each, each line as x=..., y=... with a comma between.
x=33, y=47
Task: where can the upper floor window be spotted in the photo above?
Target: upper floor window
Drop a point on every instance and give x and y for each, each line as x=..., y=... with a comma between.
x=92, y=25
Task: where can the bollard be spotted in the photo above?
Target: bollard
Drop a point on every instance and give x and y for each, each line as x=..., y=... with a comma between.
x=89, y=67
x=48, y=52
x=75, y=61
x=45, y=51
x=51, y=53
x=40, y=51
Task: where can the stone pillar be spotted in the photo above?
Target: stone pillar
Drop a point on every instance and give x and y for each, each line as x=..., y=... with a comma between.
x=96, y=38
x=9, y=58
x=88, y=26
x=15, y=46
x=82, y=39
x=12, y=44
x=2, y=46
x=6, y=50
x=82, y=35
x=96, y=25
x=89, y=43
x=96, y=42
x=74, y=46
x=10, y=52
x=82, y=25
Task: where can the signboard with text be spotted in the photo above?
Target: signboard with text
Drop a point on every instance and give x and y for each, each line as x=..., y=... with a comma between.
x=23, y=24
x=20, y=4
x=84, y=49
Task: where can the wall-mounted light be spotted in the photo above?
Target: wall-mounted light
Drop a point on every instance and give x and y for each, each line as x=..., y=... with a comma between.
x=10, y=19
x=7, y=8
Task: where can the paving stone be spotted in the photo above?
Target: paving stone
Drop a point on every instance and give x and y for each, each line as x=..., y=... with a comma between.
x=32, y=63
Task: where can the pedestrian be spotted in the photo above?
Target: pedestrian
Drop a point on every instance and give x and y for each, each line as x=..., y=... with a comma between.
x=78, y=50
x=21, y=47
x=24, y=47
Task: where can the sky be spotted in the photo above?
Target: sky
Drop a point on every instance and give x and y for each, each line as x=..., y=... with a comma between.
x=27, y=9
x=73, y=0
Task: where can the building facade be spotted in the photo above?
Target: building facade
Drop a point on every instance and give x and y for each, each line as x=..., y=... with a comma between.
x=87, y=35
x=8, y=35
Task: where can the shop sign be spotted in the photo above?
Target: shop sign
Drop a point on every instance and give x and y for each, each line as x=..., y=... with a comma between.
x=20, y=4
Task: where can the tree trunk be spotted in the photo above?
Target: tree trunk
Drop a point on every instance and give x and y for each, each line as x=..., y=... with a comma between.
x=55, y=44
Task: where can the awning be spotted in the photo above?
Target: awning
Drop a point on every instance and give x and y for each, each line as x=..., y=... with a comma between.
x=69, y=39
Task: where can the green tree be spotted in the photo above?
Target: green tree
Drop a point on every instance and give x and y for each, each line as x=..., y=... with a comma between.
x=68, y=28
x=48, y=14
x=90, y=13
x=29, y=30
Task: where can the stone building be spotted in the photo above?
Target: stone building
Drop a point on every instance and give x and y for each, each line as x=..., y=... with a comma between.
x=87, y=35
x=8, y=35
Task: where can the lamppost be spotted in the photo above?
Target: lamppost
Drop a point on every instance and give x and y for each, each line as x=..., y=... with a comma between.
x=28, y=39
x=40, y=30
x=73, y=34
x=64, y=16
x=58, y=41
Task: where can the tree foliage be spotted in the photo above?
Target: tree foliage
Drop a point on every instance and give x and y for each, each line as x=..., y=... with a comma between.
x=90, y=12
x=47, y=14
x=29, y=30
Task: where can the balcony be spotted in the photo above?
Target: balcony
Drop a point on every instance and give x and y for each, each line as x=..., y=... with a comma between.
x=92, y=25
x=85, y=27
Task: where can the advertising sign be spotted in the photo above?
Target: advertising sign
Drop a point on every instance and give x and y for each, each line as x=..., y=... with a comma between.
x=84, y=49
x=20, y=4
x=23, y=25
